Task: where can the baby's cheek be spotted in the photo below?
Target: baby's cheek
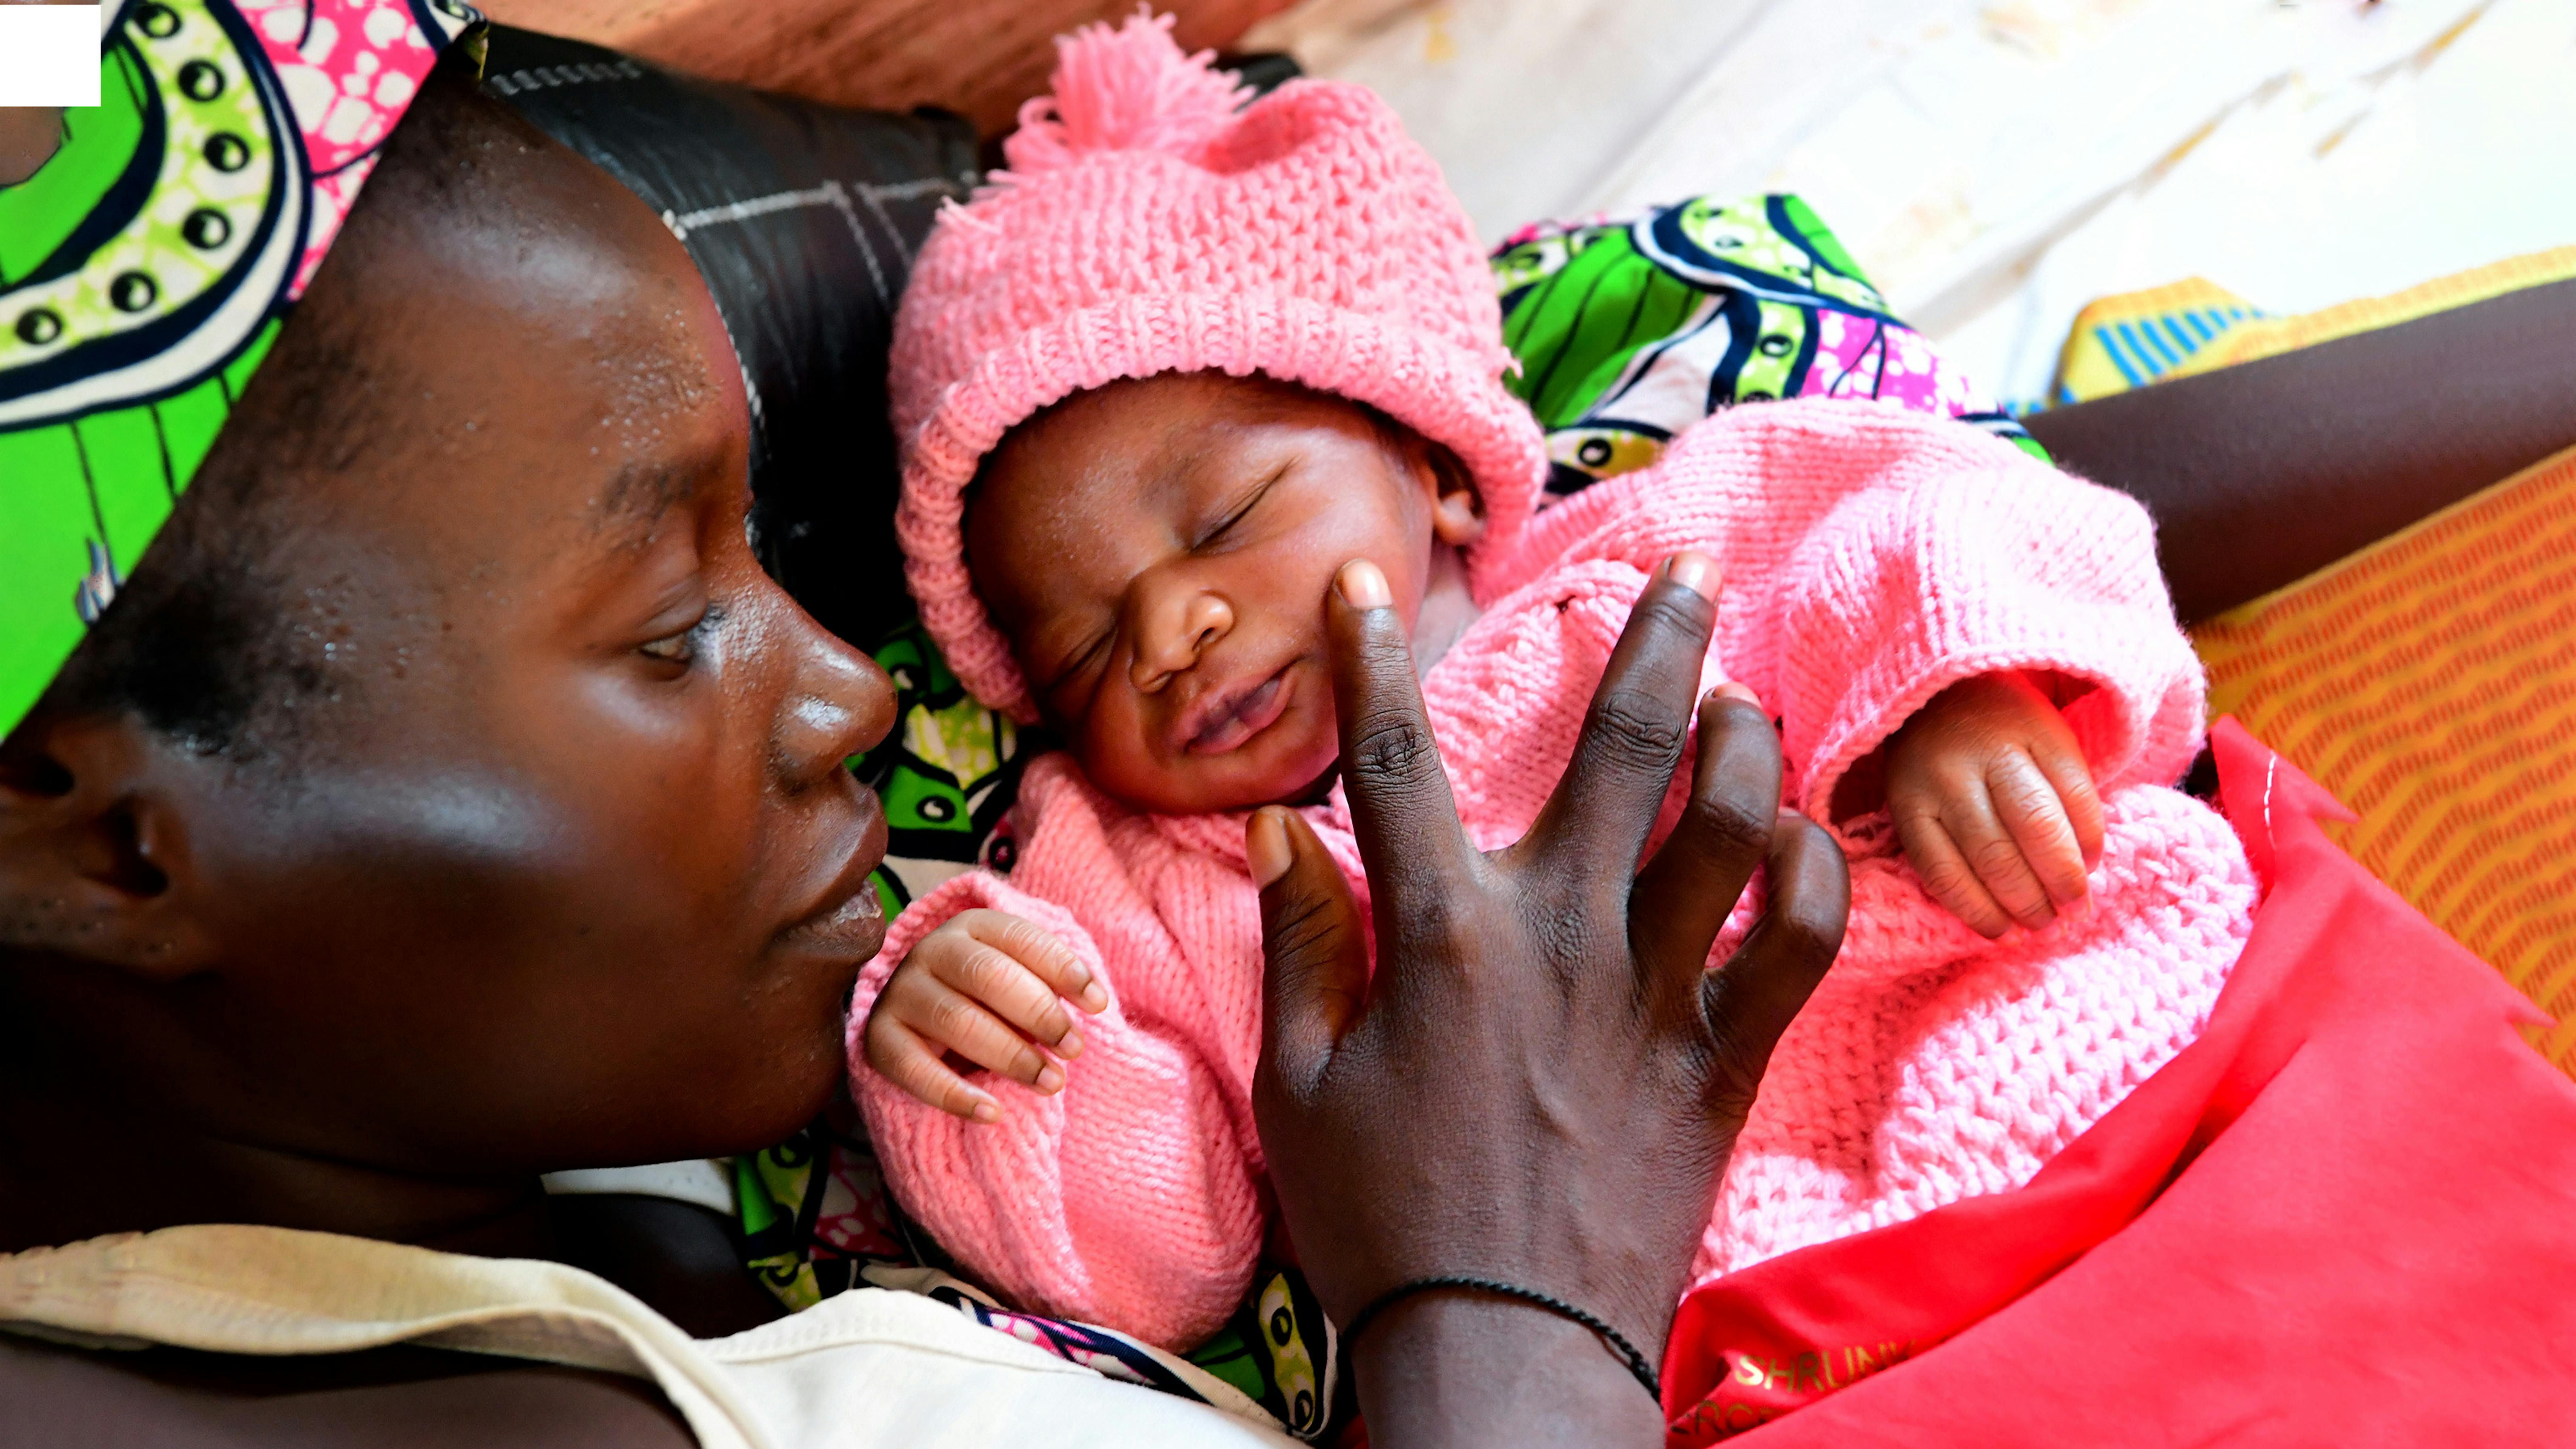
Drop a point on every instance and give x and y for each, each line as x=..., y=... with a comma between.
x=1111, y=745
x=1307, y=745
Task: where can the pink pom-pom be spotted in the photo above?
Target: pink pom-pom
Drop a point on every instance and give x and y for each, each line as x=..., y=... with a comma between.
x=1128, y=89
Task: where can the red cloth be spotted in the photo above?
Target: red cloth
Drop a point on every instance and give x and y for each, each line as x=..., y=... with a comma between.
x=2346, y=1215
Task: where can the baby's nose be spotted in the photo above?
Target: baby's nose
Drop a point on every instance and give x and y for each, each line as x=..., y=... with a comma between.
x=1177, y=641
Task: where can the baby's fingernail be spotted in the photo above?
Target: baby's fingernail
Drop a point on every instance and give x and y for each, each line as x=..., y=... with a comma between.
x=1694, y=571
x=1094, y=998
x=1732, y=690
x=1071, y=1046
x=1049, y=1080
x=1363, y=586
x=1265, y=846
x=986, y=1111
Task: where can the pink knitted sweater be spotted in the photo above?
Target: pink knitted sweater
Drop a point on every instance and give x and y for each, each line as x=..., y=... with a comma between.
x=1871, y=556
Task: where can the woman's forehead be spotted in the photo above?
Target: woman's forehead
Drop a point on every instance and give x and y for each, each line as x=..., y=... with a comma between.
x=502, y=380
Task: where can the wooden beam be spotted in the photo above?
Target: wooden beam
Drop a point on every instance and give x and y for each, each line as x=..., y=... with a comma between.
x=980, y=58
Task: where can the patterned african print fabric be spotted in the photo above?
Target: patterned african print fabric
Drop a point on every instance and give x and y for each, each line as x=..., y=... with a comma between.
x=1630, y=330
x=144, y=270
x=947, y=774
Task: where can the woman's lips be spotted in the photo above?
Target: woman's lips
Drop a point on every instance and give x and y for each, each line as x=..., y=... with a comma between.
x=1236, y=719
x=847, y=921
x=851, y=930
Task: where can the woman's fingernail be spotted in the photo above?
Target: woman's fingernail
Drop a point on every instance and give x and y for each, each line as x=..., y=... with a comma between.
x=1265, y=846
x=1694, y=571
x=1732, y=690
x=986, y=1111
x=1094, y=998
x=1049, y=1081
x=1071, y=1046
x=1363, y=586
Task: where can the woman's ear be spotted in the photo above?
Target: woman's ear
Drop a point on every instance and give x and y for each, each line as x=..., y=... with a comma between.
x=29, y=137
x=1457, y=514
x=94, y=859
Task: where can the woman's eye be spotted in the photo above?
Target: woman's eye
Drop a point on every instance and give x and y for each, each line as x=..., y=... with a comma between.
x=676, y=648
x=682, y=647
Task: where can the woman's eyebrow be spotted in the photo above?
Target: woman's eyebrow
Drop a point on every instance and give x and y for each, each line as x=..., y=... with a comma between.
x=646, y=489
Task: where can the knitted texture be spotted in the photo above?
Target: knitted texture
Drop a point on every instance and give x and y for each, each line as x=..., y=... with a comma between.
x=1143, y=227
x=1872, y=557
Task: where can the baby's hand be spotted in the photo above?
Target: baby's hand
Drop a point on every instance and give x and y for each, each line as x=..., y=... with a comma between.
x=985, y=987
x=1994, y=804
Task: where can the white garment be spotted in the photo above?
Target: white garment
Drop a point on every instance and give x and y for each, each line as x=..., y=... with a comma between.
x=705, y=1182
x=868, y=1369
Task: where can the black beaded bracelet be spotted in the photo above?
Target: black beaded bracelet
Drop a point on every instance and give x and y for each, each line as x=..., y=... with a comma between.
x=1637, y=1363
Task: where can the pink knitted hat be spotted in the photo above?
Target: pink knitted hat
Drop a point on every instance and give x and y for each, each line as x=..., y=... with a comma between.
x=1146, y=226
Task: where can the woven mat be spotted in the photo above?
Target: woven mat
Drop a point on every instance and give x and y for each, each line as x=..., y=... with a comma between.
x=2430, y=683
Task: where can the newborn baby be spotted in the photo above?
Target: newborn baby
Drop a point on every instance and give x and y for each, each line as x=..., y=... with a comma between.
x=1181, y=365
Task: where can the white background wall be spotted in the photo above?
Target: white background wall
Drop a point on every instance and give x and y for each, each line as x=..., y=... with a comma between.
x=1995, y=164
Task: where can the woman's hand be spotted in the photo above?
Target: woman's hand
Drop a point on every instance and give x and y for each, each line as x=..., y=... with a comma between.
x=1994, y=804
x=1542, y=1082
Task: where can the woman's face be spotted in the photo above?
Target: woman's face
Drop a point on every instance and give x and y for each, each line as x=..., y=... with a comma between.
x=559, y=863
x=1158, y=551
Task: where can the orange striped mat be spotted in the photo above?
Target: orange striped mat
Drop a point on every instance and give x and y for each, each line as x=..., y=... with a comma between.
x=2429, y=681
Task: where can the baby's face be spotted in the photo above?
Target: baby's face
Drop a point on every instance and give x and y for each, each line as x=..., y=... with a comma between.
x=1158, y=552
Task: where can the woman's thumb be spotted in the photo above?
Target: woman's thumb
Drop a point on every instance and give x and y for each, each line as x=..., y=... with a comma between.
x=1316, y=975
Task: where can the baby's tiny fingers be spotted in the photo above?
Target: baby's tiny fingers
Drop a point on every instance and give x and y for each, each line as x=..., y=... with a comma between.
x=1945, y=872
x=1011, y=991
x=1968, y=813
x=959, y=1022
x=900, y=1055
x=2076, y=792
x=2028, y=801
x=1041, y=951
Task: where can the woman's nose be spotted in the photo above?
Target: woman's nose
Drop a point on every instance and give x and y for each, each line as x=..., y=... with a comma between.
x=1177, y=631
x=838, y=702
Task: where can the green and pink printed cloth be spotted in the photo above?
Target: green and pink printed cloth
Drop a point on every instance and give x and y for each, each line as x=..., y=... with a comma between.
x=145, y=268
